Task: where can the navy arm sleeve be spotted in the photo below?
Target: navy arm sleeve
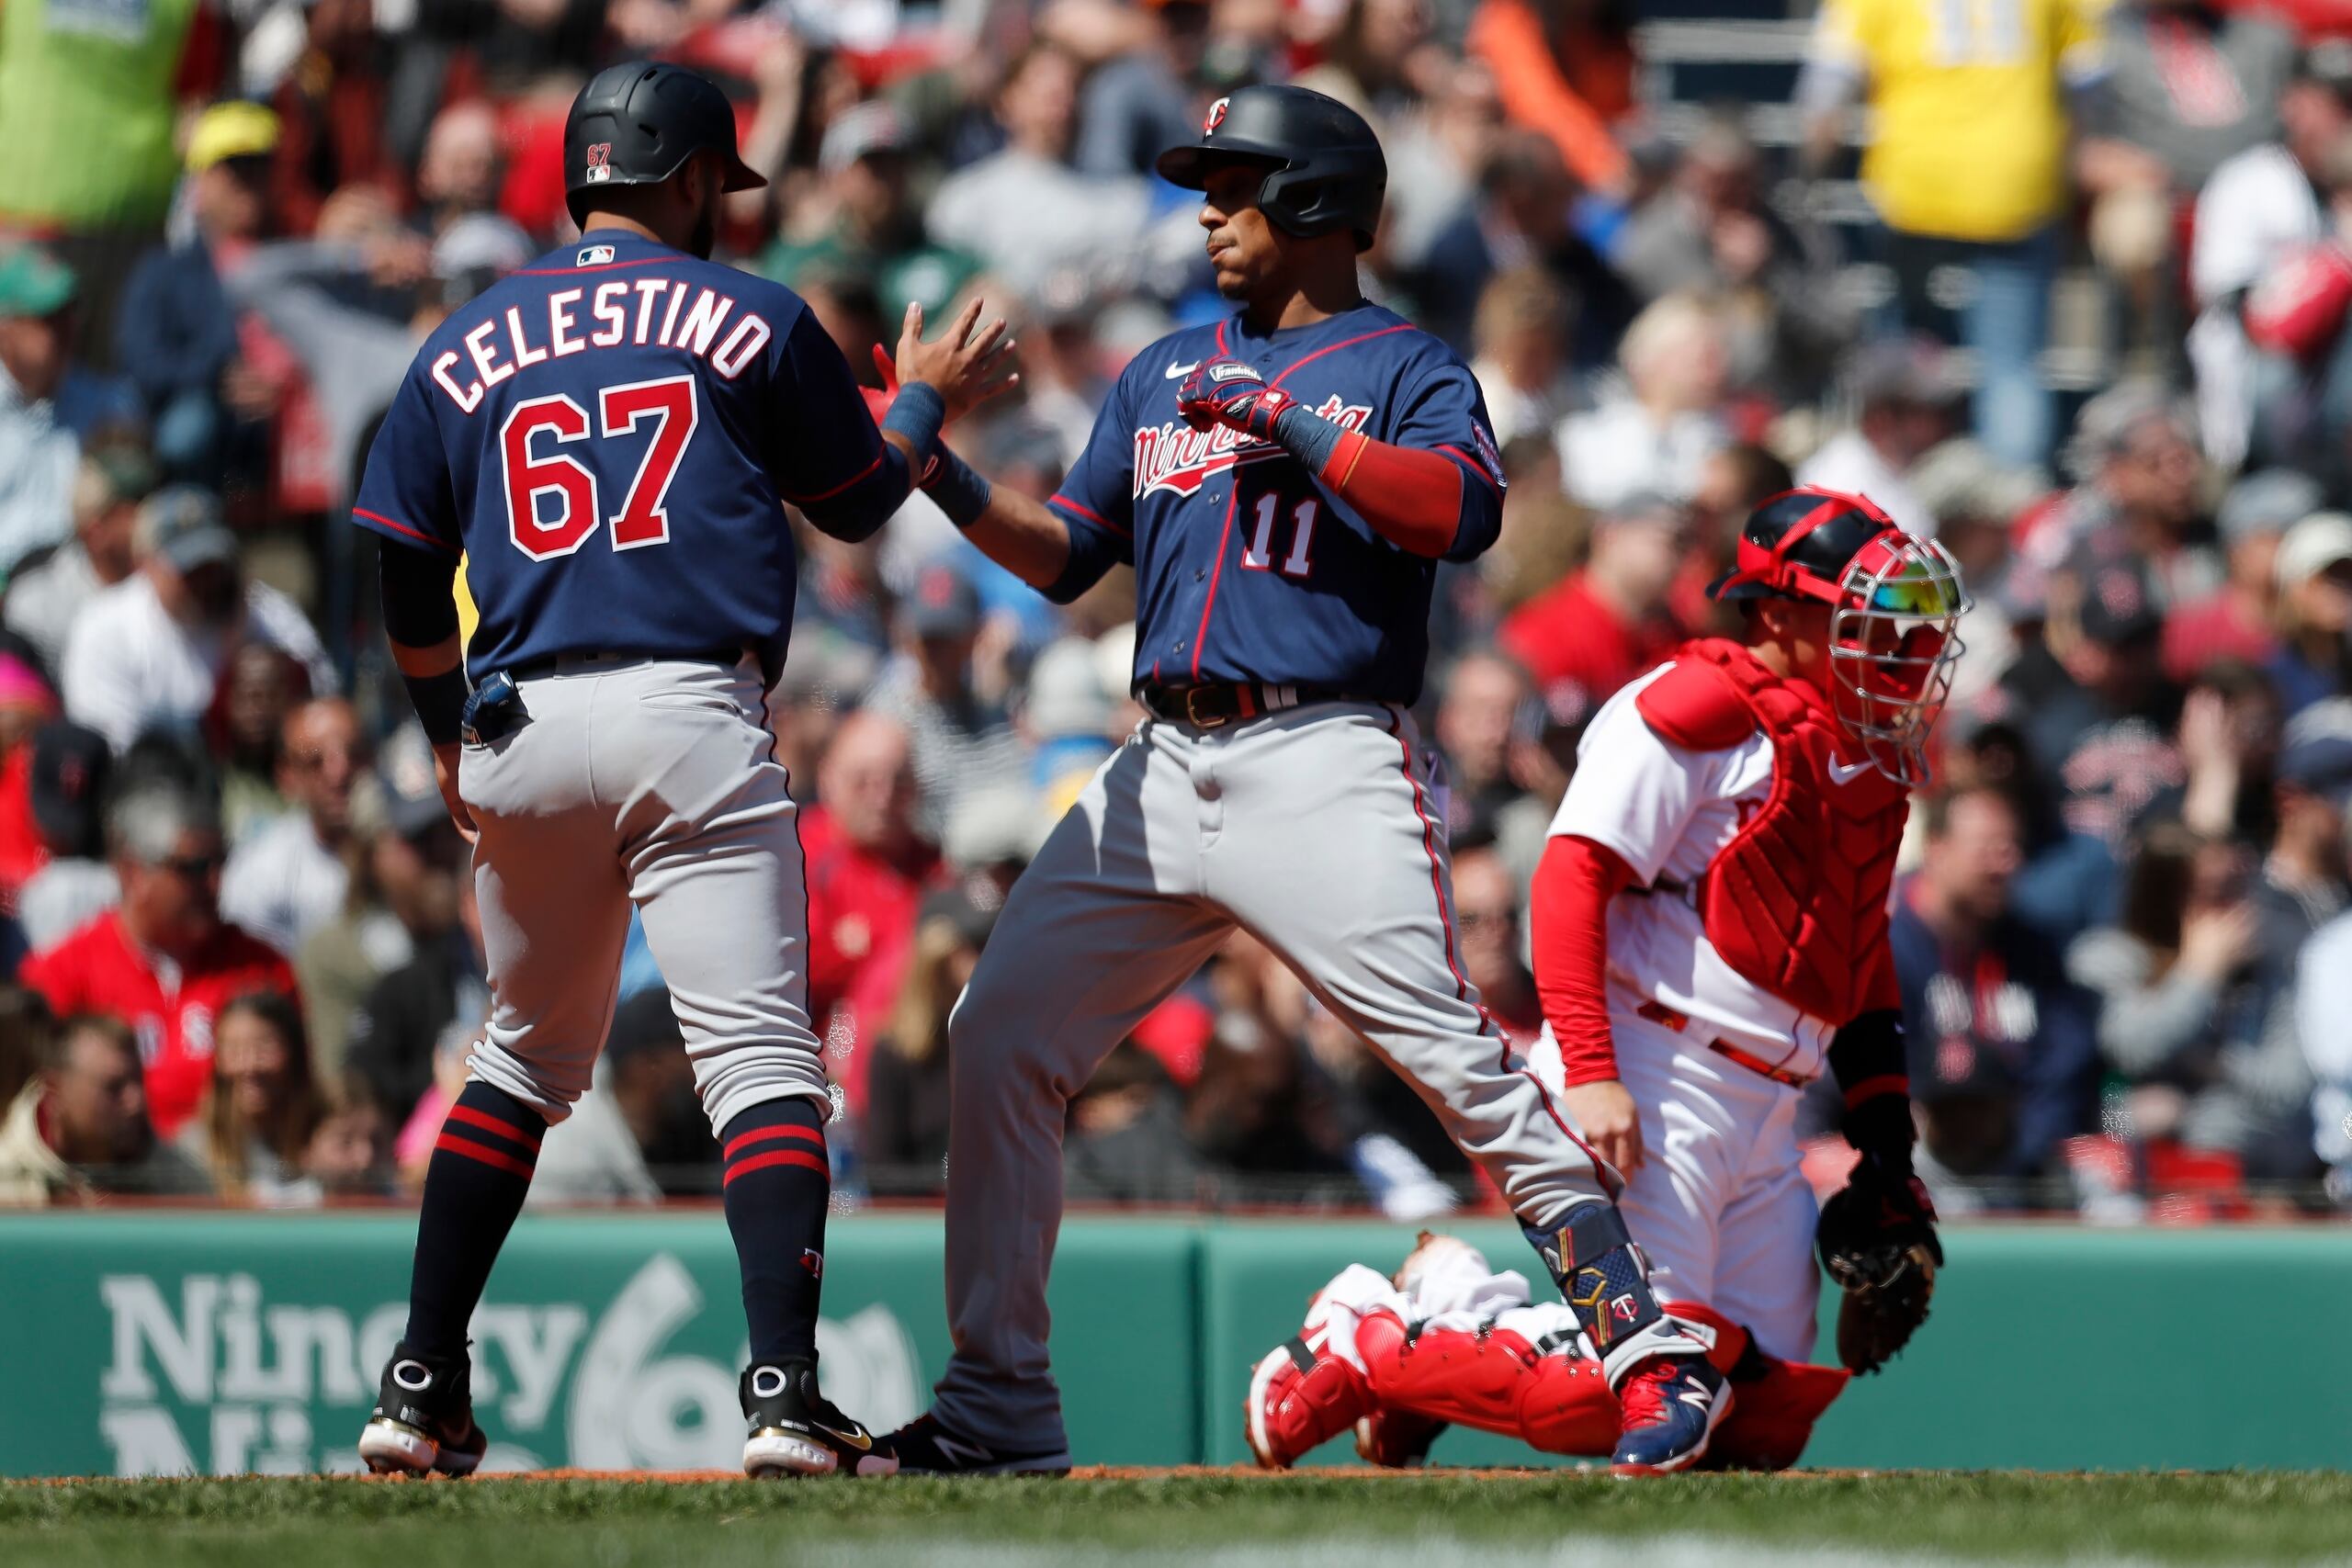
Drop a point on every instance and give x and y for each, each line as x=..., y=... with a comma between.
x=1096, y=502
x=825, y=454
x=1444, y=413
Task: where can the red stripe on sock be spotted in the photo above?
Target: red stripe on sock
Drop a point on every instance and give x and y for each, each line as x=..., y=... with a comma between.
x=489, y=1123
x=738, y=1143
x=1884, y=1083
x=483, y=1153
x=774, y=1157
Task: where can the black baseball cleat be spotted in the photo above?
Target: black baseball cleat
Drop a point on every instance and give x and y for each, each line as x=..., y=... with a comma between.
x=423, y=1419
x=926, y=1447
x=795, y=1431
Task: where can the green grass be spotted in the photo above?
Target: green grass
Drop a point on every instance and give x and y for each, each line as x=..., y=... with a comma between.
x=1300, y=1521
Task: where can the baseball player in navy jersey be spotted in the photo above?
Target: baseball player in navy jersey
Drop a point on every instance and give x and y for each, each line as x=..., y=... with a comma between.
x=1285, y=482
x=607, y=437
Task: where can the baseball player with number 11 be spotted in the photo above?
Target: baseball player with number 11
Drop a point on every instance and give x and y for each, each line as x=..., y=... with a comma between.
x=608, y=437
x=1285, y=482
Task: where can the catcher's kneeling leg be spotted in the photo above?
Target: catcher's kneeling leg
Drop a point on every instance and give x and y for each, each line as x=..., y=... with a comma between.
x=1772, y=1419
x=1492, y=1380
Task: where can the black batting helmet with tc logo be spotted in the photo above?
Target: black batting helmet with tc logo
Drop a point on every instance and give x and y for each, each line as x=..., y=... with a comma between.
x=637, y=123
x=1324, y=167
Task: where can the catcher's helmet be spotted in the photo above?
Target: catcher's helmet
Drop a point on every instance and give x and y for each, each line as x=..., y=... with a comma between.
x=1894, y=600
x=1323, y=168
x=637, y=123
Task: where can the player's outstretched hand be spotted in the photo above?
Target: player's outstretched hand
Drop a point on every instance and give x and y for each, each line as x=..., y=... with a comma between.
x=445, y=773
x=1605, y=1116
x=967, y=366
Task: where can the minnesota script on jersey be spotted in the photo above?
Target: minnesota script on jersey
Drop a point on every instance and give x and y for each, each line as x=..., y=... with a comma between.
x=1246, y=568
x=606, y=436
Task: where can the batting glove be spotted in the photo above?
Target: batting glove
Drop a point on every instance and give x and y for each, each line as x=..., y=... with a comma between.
x=1224, y=391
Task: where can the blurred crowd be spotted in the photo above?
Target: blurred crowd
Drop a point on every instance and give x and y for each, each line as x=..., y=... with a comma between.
x=239, y=930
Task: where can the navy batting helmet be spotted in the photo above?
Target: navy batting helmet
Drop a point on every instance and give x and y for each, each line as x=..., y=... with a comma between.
x=636, y=124
x=1324, y=169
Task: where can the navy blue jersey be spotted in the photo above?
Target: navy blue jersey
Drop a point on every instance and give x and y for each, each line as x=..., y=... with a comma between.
x=1245, y=568
x=606, y=436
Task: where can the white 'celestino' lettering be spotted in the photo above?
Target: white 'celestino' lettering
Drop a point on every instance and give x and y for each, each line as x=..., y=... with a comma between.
x=710, y=328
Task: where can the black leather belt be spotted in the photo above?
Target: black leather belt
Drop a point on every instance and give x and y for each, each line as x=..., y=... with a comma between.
x=1212, y=704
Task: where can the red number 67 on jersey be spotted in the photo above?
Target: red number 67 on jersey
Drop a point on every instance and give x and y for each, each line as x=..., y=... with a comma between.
x=672, y=407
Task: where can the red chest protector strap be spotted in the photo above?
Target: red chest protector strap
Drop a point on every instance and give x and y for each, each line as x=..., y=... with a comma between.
x=1797, y=901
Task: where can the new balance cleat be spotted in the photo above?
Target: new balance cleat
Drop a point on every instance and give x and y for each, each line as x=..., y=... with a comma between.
x=423, y=1419
x=925, y=1447
x=795, y=1431
x=1672, y=1406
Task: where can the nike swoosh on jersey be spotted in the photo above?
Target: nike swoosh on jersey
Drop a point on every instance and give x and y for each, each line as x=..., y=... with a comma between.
x=1847, y=772
x=1178, y=372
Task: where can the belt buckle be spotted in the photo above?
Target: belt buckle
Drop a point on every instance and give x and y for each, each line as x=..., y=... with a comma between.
x=1192, y=714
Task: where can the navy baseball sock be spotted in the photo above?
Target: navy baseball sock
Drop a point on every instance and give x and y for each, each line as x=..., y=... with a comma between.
x=776, y=1185
x=473, y=1189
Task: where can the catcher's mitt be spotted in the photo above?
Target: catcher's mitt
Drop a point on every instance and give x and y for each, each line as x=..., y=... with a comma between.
x=1877, y=1238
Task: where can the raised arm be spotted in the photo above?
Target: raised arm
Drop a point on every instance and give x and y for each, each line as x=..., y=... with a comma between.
x=1062, y=548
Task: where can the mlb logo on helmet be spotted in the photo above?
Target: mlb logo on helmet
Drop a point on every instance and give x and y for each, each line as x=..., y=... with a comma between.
x=1215, y=117
x=600, y=161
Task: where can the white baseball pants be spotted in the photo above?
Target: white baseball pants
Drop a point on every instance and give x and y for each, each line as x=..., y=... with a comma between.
x=1720, y=1204
x=650, y=783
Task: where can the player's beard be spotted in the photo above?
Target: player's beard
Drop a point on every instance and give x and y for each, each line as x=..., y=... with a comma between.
x=705, y=238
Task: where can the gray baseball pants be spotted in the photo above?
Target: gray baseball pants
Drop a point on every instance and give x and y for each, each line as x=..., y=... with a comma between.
x=652, y=782
x=1315, y=831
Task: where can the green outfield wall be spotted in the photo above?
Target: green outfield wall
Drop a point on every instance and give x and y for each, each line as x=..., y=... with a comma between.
x=161, y=1342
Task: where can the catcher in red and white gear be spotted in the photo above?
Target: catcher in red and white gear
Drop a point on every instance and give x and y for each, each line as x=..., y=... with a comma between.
x=1710, y=927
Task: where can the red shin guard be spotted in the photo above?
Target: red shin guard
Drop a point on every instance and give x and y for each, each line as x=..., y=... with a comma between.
x=1496, y=1383
x=1493, y=1381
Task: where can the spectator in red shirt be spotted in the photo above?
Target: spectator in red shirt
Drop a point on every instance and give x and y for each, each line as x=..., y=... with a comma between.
x=2238, y=619
x=1600, y=627
x=867, y=871
x=162, y=961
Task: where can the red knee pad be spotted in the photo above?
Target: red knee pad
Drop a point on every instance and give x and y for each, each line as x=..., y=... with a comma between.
x=1568, y=1408
x=1472, y=1379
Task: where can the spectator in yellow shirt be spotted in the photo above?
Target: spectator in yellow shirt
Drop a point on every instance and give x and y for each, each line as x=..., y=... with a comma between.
x=1966, y=167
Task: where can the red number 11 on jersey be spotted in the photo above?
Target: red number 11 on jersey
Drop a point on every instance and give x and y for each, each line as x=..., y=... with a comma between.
x=671, y=405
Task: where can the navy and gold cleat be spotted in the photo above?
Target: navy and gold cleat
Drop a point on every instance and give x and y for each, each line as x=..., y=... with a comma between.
x=795, y=1431
x=423, y=1419
x=1672, y=1406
